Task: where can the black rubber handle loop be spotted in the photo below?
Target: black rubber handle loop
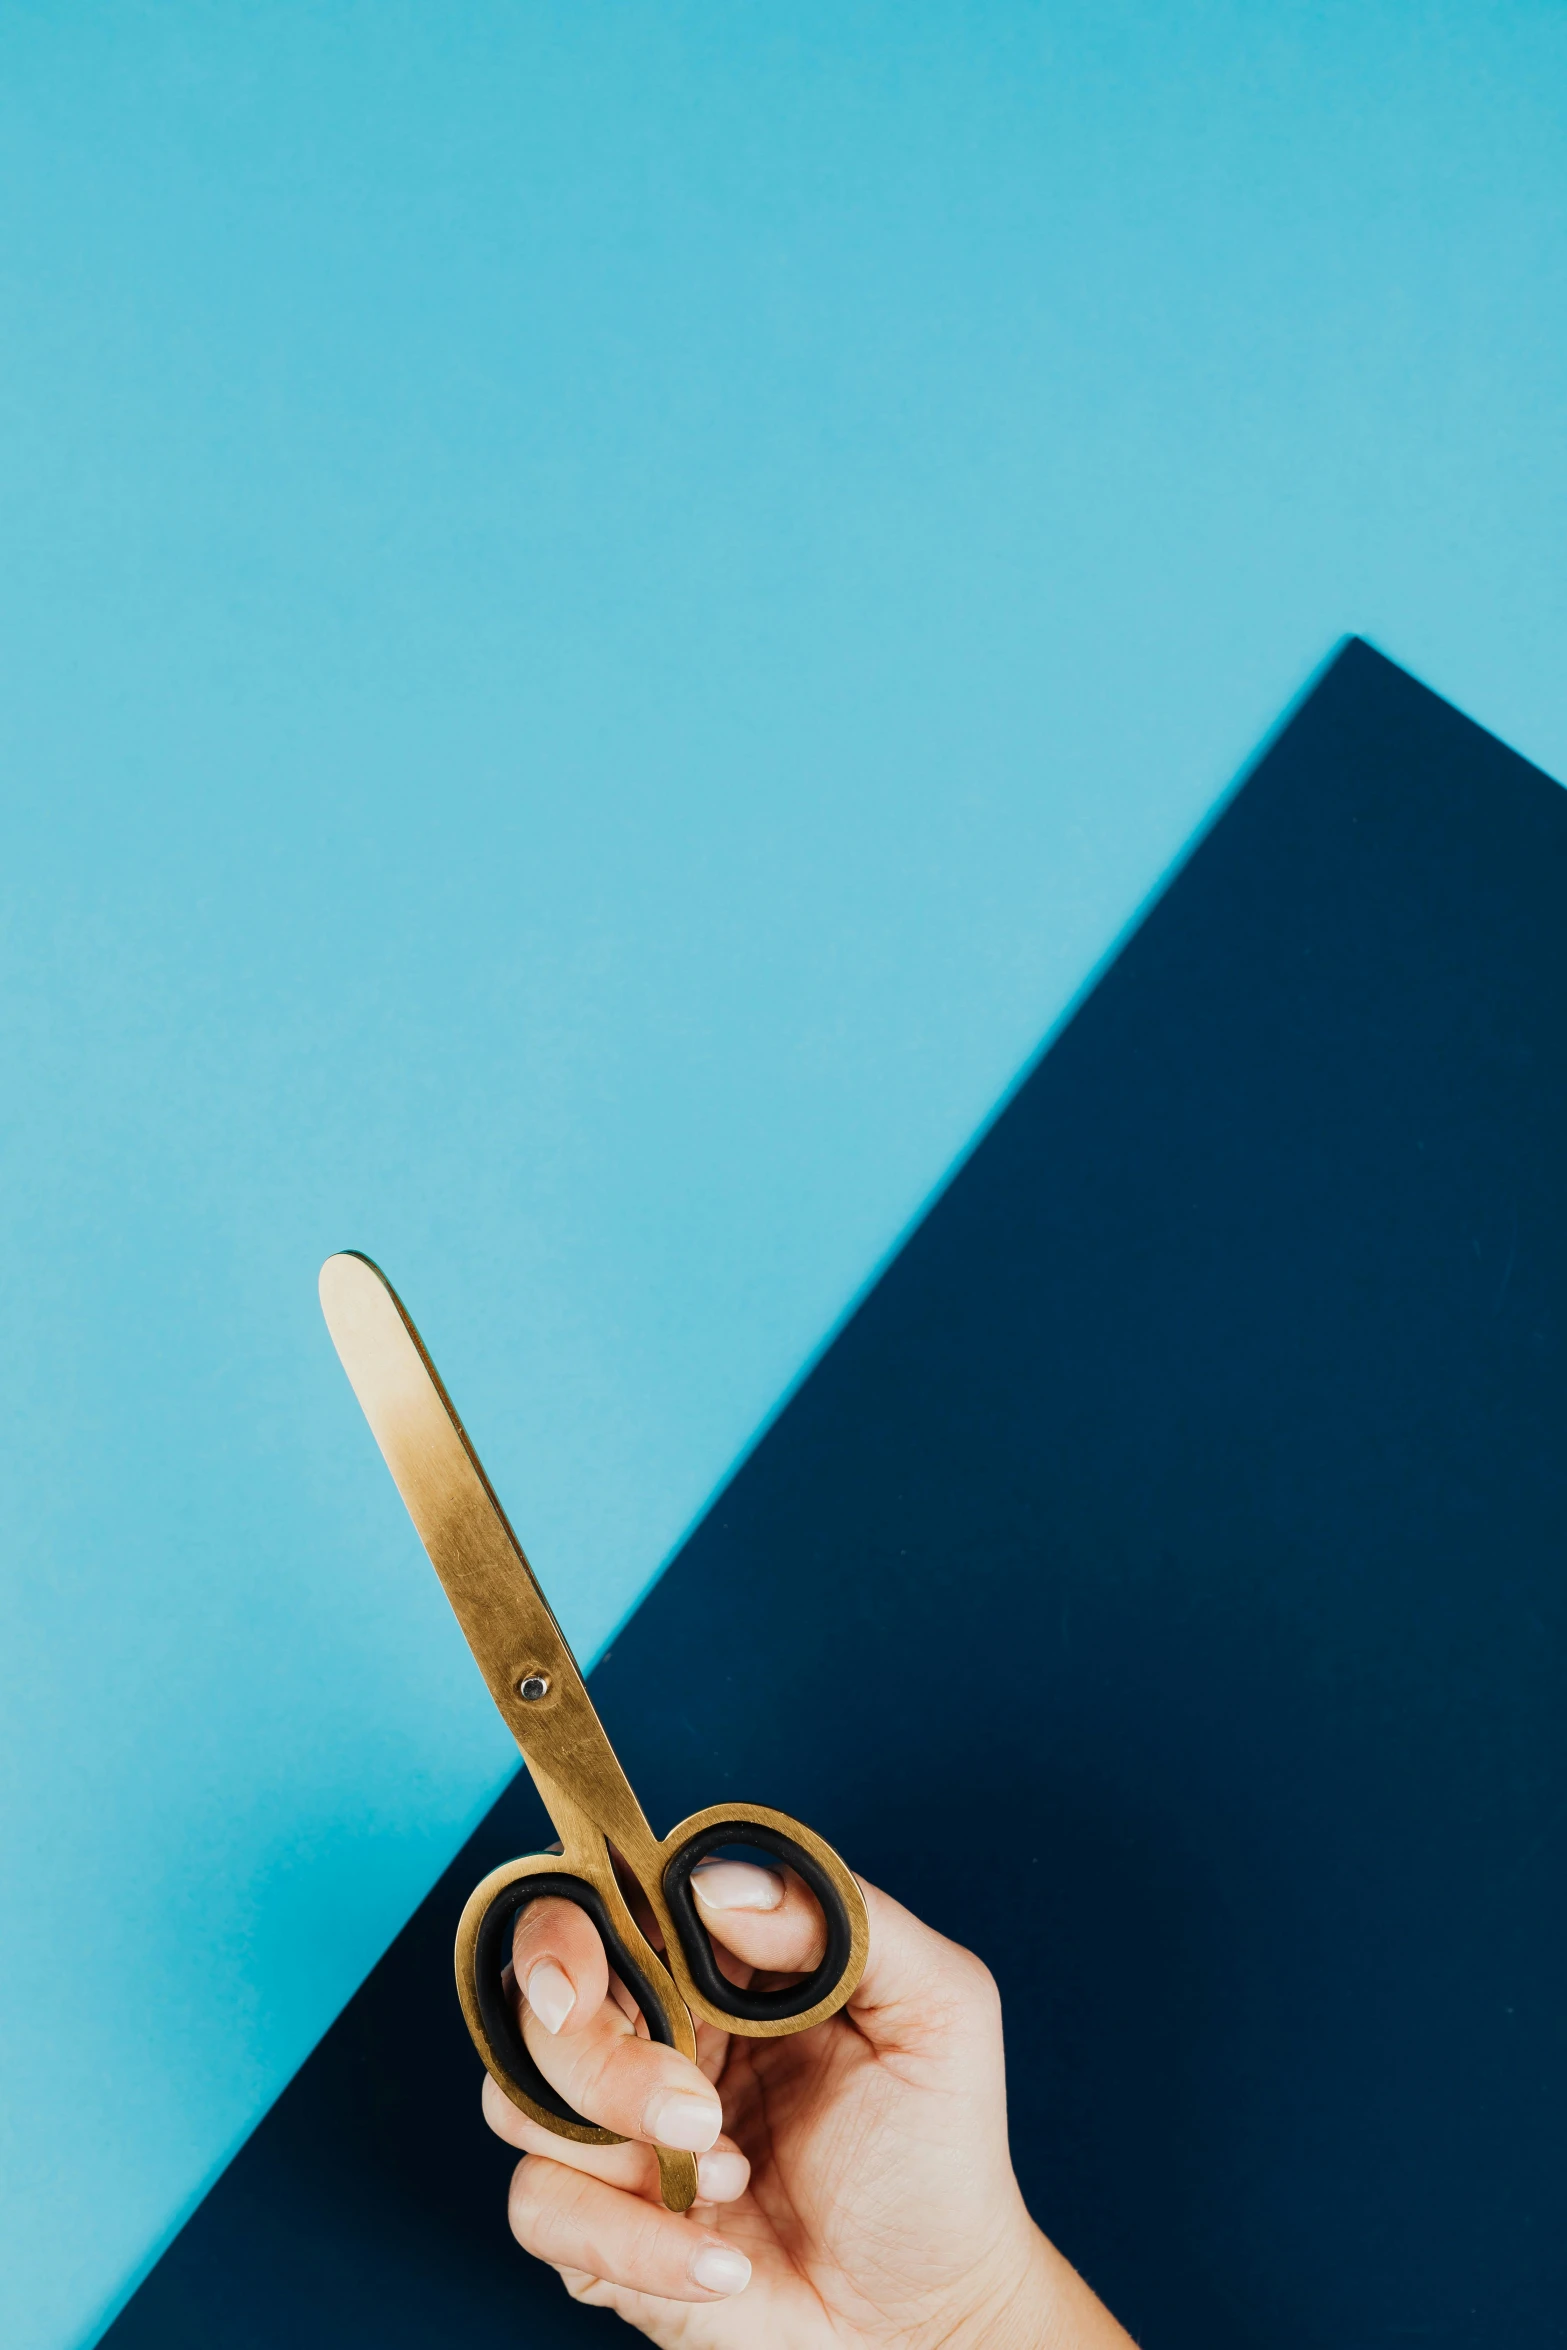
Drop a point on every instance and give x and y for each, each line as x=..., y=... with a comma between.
x=491, y=1950
x=755, y=2007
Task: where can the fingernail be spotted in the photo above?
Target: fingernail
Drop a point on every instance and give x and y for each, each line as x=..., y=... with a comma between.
x=722, y=2175
x=550, y=1995
x=718, y=2268
x=735, y=1884
x=672, y=2117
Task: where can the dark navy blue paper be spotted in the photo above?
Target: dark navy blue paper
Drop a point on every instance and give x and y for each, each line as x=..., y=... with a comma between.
x=1161, y=1583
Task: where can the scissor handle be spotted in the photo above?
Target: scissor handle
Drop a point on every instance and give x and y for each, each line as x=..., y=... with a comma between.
x=484, y=1937
x=687, y=1980
x=794, y=2007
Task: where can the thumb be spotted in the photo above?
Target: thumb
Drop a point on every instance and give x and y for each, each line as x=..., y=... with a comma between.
x=920, y=1993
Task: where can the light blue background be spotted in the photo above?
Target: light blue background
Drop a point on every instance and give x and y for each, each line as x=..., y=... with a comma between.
x=603, y=611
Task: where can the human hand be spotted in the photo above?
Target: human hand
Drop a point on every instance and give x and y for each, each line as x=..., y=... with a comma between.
x=854, y=2184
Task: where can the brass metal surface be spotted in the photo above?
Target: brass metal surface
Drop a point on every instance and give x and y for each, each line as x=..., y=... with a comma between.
x=514, y=1637
x=505, y=1617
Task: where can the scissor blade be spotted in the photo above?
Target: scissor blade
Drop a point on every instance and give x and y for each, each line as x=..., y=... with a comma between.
x=505, y=1617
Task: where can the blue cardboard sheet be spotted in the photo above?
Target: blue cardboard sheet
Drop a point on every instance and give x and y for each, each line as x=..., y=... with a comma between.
x=1161, y=1584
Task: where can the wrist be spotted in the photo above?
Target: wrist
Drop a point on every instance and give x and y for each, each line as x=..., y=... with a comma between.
x=1005, y=2300
x=1030, y=2298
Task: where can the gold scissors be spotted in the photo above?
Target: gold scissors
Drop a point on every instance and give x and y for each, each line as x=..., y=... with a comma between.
x=533, y=1678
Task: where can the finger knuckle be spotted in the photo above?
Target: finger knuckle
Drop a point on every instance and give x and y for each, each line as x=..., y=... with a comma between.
x=525, y=2196
x=960, y=1994
x=646, y=2245
x=591, y=2081
x=540, y=1924
x=539, y=2183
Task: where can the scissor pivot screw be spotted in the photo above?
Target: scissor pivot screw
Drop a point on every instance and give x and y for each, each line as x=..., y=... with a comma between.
x=533, y=1686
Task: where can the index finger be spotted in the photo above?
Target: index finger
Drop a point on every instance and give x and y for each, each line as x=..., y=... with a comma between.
x=559, y=1964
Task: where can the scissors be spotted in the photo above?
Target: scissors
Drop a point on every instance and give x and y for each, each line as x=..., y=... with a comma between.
x=533, y=1678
